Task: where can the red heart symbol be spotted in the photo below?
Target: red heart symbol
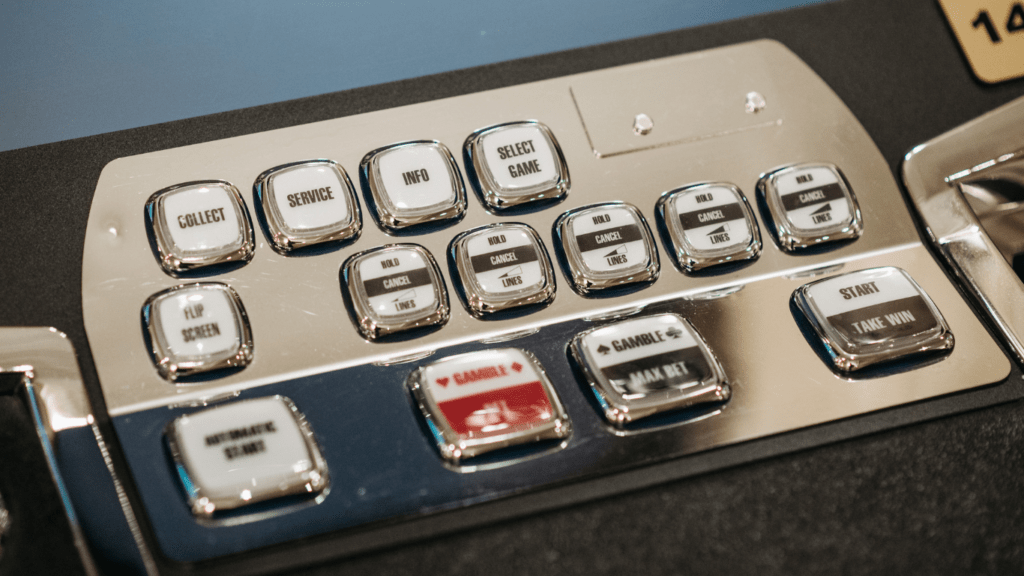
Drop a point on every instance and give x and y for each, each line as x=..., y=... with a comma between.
x=517, y=366
x=443, y=381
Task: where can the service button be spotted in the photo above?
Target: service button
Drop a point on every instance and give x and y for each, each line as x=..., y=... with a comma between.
x=197, y=328
x=307, y=203
x=414, y=183
x=395, y=288
x=517, y=163
x=607, y=245
x=872, y=316
x=810, y=204
x=503, y=266
x=709, y=224
x=245, y=452
x=483, y=401
x=199, y=224
x=645, y=366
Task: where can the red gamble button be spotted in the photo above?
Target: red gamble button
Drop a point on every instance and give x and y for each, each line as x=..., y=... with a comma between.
x=483, y=401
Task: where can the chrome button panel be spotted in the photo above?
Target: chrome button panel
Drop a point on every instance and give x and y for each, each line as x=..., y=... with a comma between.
x=872, y=316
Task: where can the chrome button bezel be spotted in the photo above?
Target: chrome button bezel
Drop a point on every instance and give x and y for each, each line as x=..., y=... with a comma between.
x=175, y=259
x=792, y=238
x=170, y=365
x=587, y=281
x=481, y=302
x=621, y=410
x=691, y=258
x=373, y=326
x=393, y=218
x=497, y=197
x=285, y=239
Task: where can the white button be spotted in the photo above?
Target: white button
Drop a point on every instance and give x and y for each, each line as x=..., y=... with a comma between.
x=308, y=203
x=607, y=245
x=873, y=316
x=200, y=224
x=414, y=182
x=395, y=288
x=709, y=224
x=245, y=452
x=649, y=365
x=197, y=328
x=810, y=203
x=483, y=401
x=503, y=266
x=517, y=163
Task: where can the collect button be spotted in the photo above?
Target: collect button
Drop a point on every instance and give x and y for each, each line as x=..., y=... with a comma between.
x=873, y=316
x=641, y=367
x=245, y=452
x=483, y=401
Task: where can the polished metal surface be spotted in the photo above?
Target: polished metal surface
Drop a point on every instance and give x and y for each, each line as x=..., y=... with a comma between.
x=170, y=365
x=176, y=260
x=494, y=195
x=370, y=324
x=791, y=237
x=481, y=302
x=5, y=524
x=314, y=482
x=848, y=356
x=393, y=217
x=693, y=259
x=297, y=311
x=938, y=174
x=284, y=238
x=587, y=281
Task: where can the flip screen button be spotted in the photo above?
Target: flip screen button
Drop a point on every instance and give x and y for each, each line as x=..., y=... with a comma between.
x=245, y=452
x=709, y=224
x=645, y=366
x=395, y=288
x=503, y=266
x=308, y=203
x=607, y=245
x=414, y=183
x=811, y=204
x=483, y=401
x=517, y=163
x=199, y=224
x=197, y=328
x=873, y=316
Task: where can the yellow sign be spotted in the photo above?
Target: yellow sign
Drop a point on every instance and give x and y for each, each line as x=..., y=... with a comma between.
x=991, y=33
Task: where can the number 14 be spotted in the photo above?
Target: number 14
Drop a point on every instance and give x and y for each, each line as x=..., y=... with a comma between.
x=1014, y=23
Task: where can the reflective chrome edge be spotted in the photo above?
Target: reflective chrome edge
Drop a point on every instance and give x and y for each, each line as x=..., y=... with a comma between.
x=789, y=237
x=314, y=482
x=932, y=173
x=57, y=401
x=620, y=412
x=5, y=523
x=477, y=301
x=586, y=282
x=174, y=262
x=455, y=451
x=369, y=324
x=496, y=197
x=845, y=360
x=285, y=239
x=691, y=259
x=392, y=218
x=169, y=367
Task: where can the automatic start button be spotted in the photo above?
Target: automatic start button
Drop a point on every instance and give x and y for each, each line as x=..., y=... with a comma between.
x=517, y=163
x=873, y=316
x=645, y=366
x=395, y=288
x=483, y=401
x=503, y=266
x=245, y=452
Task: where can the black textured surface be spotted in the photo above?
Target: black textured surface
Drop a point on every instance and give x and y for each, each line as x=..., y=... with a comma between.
x=940, y=497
